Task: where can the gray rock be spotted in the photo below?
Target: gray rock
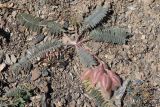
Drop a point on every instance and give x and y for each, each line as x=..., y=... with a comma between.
x=66, y=24
x=2, y=66
x=13, y=58
x=79, y=103
x=8, y=60
x=45, y=72
x=77, y=95
x=35, y=74
x=72, y=104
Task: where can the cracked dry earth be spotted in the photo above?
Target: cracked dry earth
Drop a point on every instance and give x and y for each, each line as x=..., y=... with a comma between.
x=139, y=59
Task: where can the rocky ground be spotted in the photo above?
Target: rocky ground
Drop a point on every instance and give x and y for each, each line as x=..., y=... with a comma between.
x=55, y=80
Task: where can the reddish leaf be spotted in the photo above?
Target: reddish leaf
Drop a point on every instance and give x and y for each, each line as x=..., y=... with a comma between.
x=103, y=79
x=96, y=75
x=105, y=82
x=101, y=67
x=116, y=81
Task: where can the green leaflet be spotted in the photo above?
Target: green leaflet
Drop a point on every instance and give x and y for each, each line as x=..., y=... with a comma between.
x=20, y=96
x=23, y=64
x=19, y=93
x=31, y=22
x=96, y=16
x=36, y=23
x=86, y=58
x=112, y=35
x=54, y=27
x=33, y=53
x=41, y=50
x=96, y=94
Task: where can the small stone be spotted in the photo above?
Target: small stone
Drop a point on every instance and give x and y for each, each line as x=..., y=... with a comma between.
x=66, y=24
x=29, y=38
x=143, y=37
x=14, y=13
x=71, y=28
x=86, y=104
x=2, y=66
x=58, y=104
x=77, y=95
x=45, y=72
x=22, y=29
x=45, y=64
x=45, y=89
x=72, y=104
x=137, y=82
x=6, y=89
x=13, y=58
x=79, y=102
x=8, y=60
x=43, y=86
x=35, y=98
x=132, y=7
x=2, y=23
x=109, y=56
x=139, y=75
x=35, y=74
x=72, y=76
x=11, y=5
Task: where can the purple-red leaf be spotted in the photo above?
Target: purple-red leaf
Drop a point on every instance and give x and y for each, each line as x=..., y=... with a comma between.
x=116, y=81
x=102, y=78
x=105, y=82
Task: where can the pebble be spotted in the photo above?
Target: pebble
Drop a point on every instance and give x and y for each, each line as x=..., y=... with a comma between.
x=35, y=74
x=8, y=60
x=71, y=28
x=45, y=72
x=13, y=58
x=35, y=98
x=107, y=56
x=139, y=75
x=58, y=104
x=72, y=104
x=79, y=102
x=132, y=7
x=77, y=95
x=143, y=37
x=43, y=100
x=66, y=24
x=72, y=77
x=6, y=89
x=43, y=86
x=2, y=66
x=2, y=23
x=14, y=13
x=138, y=82
x=86, y=105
